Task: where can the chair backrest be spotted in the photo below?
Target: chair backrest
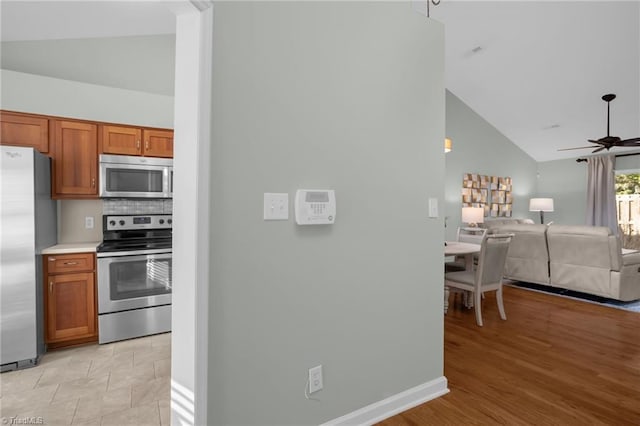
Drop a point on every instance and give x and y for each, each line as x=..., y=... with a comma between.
x=493, y=255
x=475, y=236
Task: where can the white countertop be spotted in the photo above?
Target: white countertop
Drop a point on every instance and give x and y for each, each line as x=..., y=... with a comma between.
x=72, y=248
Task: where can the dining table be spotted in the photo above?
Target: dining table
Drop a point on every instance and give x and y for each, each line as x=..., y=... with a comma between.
x=457, y=248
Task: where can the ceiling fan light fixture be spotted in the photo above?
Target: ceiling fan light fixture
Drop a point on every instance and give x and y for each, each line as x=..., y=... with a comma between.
x=609, y=141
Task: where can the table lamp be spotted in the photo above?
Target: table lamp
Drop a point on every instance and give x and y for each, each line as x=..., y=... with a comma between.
x=541, y=205
x=473, y=215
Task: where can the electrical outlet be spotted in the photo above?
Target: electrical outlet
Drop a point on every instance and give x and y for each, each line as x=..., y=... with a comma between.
x=88, y=222
x=315, y=379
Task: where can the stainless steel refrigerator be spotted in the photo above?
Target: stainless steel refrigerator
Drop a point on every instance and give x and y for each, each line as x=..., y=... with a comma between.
x=27, y=225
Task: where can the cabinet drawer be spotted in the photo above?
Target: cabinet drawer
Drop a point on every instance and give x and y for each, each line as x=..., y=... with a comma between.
x=70, y=262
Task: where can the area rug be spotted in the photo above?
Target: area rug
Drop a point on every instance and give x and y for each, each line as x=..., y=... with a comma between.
x=633, y=306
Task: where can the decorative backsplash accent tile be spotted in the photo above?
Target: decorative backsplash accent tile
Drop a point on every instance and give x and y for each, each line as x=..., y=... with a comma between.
x=129, y=206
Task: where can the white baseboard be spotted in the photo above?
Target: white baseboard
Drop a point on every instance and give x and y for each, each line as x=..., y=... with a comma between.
x=393, y=405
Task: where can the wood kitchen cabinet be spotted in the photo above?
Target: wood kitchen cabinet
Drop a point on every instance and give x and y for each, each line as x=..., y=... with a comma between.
x=70, y=299
x=75, y=159
x=125, y=140
x=24, y=130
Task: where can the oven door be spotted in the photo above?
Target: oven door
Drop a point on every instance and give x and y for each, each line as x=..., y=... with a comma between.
x=135, y=180
x=127, y=280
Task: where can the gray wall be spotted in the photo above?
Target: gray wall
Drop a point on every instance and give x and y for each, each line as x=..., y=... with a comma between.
x=478, y=147
x=324, y=95
x=140, y=63
x=630, y=164
x=39, y=94
x=566, y=182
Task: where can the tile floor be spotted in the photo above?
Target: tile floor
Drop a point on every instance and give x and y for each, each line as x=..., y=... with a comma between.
x=121, y=383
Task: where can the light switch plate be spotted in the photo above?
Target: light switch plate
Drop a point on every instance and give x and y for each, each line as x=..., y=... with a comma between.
x=276, y=206
x=433, y=207
x=315, y=379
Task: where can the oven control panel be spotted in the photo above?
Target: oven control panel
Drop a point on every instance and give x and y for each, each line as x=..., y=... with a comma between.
x=127, y=222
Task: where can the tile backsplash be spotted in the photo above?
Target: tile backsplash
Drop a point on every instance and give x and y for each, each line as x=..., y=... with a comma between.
x=72, y=215
x=128, y=206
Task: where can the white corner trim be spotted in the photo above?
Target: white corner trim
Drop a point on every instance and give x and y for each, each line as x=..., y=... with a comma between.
x=393, y=405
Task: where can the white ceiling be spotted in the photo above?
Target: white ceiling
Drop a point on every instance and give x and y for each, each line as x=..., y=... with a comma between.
x=538, y=76
x=544, y=64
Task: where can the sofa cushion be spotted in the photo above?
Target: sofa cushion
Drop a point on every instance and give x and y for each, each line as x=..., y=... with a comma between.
x=582, y=257
x=580, y=245
x=632, y=258
x=493, y=223
x=528, y=256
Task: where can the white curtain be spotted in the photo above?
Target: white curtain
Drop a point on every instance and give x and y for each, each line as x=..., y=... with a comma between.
x=601, y=192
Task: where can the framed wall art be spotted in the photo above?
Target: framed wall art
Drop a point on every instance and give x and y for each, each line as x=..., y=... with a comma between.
x=492, y=193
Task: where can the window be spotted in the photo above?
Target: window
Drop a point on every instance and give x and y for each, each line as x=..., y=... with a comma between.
x=628, y=208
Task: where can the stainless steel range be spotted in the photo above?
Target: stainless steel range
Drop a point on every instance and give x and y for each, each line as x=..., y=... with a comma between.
x=134, y=276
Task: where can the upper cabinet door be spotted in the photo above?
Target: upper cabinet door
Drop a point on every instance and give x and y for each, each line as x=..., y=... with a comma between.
x=75, y=159
x=24, y=130
x=158, y=143
x=120, y=140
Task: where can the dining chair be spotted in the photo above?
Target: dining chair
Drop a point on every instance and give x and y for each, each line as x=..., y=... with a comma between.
x=486, y=277
x=464, y=235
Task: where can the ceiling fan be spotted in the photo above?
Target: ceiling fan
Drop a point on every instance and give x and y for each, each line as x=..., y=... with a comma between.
x=608, y=141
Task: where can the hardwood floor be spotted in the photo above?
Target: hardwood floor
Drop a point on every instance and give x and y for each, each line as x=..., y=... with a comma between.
x=554, y=361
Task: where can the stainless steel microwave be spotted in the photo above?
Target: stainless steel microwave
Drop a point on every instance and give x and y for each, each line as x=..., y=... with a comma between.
x=126, y=176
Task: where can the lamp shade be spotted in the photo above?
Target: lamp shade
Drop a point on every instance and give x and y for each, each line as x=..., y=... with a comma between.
x=447, y=145
x=473, y=215
x=541, y=205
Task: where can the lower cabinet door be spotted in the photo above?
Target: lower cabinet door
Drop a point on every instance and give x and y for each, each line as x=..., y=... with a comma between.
x=70, y=306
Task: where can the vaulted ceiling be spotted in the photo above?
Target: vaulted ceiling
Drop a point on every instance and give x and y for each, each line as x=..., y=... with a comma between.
x=536, y=70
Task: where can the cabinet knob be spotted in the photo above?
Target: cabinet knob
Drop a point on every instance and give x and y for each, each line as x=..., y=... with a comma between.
x=146, y=144
x=52, y=259
x=70, y=263
x=93, y=182
x=50, y=286
x=137, y=144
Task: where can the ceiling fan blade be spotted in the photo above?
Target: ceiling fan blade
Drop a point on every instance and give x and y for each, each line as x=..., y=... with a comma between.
x=629, y=142
x=570, y=149
x=598, y=150
x=592, y=141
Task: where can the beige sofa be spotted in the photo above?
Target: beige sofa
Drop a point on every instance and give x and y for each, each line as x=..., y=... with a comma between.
x=501, y=221
x=587, y=259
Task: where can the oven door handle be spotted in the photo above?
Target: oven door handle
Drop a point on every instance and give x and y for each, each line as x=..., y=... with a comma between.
x=133, y=253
